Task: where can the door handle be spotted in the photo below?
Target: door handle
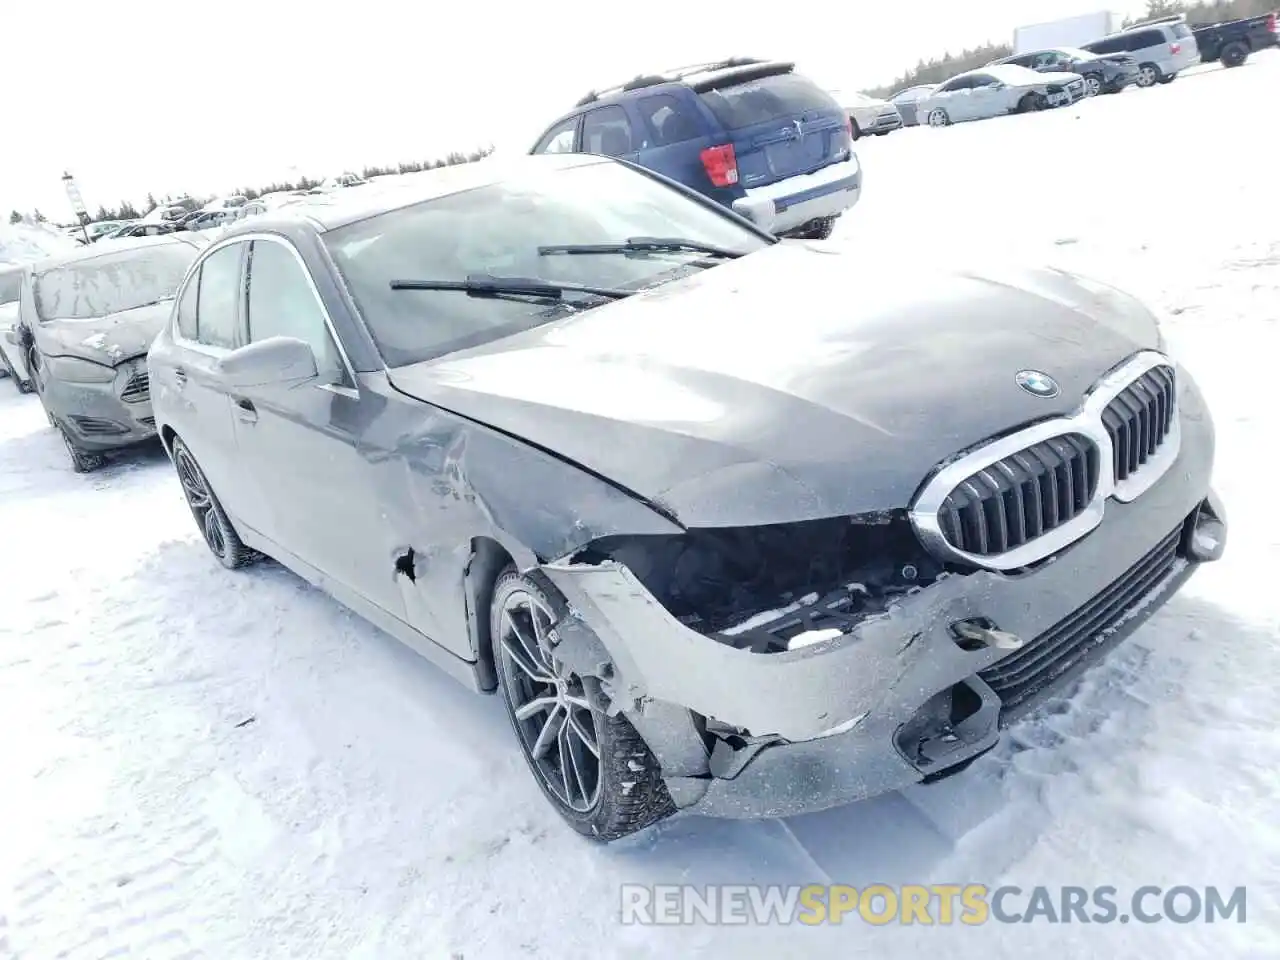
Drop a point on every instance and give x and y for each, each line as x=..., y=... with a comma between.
x=180, y=377
x=246, y=412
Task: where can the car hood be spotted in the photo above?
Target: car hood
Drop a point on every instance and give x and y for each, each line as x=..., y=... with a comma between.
x=783, y=386
x=108, y=340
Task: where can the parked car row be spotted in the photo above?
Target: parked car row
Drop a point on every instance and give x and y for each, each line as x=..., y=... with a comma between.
x=1143, y=55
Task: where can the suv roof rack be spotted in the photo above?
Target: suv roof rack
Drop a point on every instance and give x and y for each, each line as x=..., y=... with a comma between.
x=676, y=73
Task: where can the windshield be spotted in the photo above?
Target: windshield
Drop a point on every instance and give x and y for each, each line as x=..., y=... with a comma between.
x=496, y=230
x=113, y=283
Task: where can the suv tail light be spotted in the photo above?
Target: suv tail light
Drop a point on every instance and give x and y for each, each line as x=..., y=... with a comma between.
x=721, y=165
x=1175, y=48
x=1271, y=23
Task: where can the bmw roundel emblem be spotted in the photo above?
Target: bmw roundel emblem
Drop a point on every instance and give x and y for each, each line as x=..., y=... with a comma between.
x=1037, y=384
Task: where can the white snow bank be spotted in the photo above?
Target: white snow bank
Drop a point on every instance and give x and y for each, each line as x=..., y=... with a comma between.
x=20, y=242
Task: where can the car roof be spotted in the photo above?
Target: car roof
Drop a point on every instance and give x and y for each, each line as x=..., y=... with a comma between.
x=329, y=211
x=1010, y=70
x=117, y=246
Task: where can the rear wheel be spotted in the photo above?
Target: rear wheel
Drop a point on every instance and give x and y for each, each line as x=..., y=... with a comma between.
x=1148, y=75
x=595, y=769
x=219, y=535
x=817, y=230
x=1234, y=54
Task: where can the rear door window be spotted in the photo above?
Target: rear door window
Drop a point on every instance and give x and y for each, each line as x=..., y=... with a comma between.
x=670, y=119
x=1110, y=45
x=607, y=132
x=779, y=97
x=1144, y=38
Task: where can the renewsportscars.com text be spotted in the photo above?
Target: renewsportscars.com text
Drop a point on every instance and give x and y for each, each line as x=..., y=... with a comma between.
x=927, y=904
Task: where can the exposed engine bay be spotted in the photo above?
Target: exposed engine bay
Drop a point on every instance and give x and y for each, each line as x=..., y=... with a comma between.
x=760, y=588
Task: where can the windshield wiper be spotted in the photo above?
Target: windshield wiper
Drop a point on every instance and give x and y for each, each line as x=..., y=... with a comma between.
x=643, y=245
x=483, y=285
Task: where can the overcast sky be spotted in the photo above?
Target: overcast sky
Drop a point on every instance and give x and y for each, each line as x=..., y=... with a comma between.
x=134, y=96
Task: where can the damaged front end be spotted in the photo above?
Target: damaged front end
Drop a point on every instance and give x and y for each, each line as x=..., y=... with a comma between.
x=777, y=587
x=720, y=645
x=781, y=669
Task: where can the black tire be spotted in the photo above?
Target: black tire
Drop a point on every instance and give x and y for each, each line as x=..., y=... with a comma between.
x=854, y=131
x=883, y=133
x=1032, y=103
x=1234, y=54
x=1168, y=77
x=81, y=460
x=627, y=793
x=215, y=526
x=938, y=117
x=819, y=231
x=23, y=386
x=1148, y=75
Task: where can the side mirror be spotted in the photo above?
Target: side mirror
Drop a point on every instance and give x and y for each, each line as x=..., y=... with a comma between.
x=276, y=360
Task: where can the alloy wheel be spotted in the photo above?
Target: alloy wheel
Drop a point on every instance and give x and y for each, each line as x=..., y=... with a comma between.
x=196, y=490
x=937, y=118
x=1092, y=86
x=1147, y=76
x=553, y=715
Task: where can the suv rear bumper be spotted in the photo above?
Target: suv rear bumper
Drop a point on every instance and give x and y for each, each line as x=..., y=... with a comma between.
x=795, y=201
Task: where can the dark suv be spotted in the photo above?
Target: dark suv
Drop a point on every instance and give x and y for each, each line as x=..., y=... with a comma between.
x=753, y=135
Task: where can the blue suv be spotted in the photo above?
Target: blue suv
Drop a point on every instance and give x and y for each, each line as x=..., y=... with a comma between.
x=753, y=135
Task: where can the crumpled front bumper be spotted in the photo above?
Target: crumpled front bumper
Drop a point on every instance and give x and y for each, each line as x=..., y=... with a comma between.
x=97, y=416
x=875, y=709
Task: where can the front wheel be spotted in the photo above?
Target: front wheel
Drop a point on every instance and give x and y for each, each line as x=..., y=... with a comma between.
x=219, y=535
x=1032, y=103
x=24, y=386
x=1092, y=85
x=939, y=118
x=595, y=769
x=1148, y=75
x=81, y=460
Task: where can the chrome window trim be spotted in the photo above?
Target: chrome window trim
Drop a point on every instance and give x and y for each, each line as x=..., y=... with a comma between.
x=219, y=352
x=1087, y=421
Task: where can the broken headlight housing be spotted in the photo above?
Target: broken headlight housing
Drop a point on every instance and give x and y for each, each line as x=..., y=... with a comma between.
x=759, y=587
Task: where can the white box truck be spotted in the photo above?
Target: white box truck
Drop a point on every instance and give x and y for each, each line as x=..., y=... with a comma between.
x=1067, y=32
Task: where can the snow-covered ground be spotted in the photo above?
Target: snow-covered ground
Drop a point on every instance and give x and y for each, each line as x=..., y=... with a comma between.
x=203, y=764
